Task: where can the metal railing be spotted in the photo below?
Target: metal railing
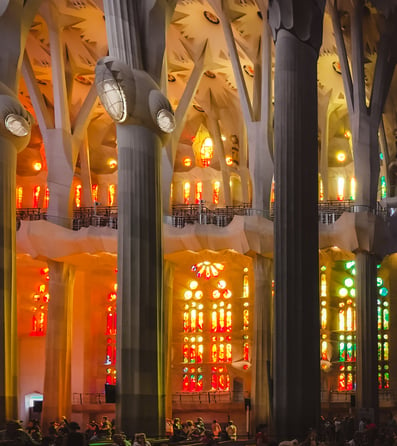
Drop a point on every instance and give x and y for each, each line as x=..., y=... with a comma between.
x=182, y=215
x=88, y=398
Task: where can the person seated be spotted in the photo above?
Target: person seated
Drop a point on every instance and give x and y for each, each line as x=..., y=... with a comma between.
x=14, y=434
x=120, y=440
x=140, y=440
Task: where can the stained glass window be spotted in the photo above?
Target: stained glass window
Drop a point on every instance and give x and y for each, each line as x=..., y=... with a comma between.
x=77, y=195
x=36, y=196
x=40, y=306
x=19, y=196
x=46, y=198
x=111, y=195
x=199, y=192
x=207, y=320
x=215, y=192
x=94, y=190
x=186, y=193
x=111, y=332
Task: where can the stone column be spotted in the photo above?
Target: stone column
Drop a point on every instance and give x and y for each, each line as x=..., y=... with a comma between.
x=140, y=386
x=57, y=379
x=261, y=387
x=14, y=136
x=136, y=36
x=367, y=329
x=168, y=280
x=297, y=32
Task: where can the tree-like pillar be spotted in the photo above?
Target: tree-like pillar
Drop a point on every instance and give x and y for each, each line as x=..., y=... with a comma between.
x=297, y=30
x=143, y=116
x=261, y=392
x=15, y=125
x=57, y=379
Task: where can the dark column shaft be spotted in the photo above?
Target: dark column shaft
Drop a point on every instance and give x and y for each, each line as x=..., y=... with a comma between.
x=367, y=330
x=296, y=360
x=140, y=372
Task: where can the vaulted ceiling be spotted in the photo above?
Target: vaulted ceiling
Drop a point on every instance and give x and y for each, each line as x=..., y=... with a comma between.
x=194, y=26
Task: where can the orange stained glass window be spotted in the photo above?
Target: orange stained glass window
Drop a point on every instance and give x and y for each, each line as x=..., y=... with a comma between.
x=206, y=152
x=342, y=382
x=186, y=325
x=192, y=380
x=94, y=191
x=111, y=321
x=214, y=321
x=111, y=375
x=220, y=379
x=193, y=316
x=186, y=192
x=215, y=192
x=40, y=308
x=110, y=351
x=323, y=285
x=245, y=319
x=199, y=192
x=111, y=195
x=19, y=196
x=341, y=318
x=349, y=318
x=340, y=195
x=46, y=198
x=228, y=321
x=349, y=381
x=324, y=348
x=323, y=318
x=200, y=321
x=185, y=352
x=214, y=353
x=192, y=352
x=321, y=190
x=272, y=194
x=36, y=196
x=246, y=351
x=221, y=320
x=77, y=195
x=246, y=291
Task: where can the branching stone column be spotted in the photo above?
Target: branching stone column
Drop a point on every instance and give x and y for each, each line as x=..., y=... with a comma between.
x=15, y=125
x=297, y=31
x=143, y=116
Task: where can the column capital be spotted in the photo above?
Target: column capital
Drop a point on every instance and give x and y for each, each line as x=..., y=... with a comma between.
x=15, y=121
x=303, y=20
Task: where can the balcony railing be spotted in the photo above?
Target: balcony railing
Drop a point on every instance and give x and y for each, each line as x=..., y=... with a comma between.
x=182, y=215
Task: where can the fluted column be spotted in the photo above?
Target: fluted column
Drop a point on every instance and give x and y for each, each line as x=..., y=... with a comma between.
x=139, y=317
x=367, y=331
x=296, y=372
x=261, y=392
x=15, y=124
x=136, y=36
x=57, y=379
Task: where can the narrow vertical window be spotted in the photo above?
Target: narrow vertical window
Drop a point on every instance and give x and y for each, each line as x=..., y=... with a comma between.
x=36, y=196
x=186, y=193
x=111, y=195
x=46, y=198
x=19, y=196
x=215, y=192
x=199, y=192
x=77, y=196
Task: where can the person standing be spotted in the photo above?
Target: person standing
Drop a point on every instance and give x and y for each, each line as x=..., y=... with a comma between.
x=231, y=430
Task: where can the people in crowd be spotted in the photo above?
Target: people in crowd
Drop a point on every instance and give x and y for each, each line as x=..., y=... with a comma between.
x=231, y=430
x=216, y=428
x=74, y=437
x=120, y=440
x=15, y=433
x=140, y=440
